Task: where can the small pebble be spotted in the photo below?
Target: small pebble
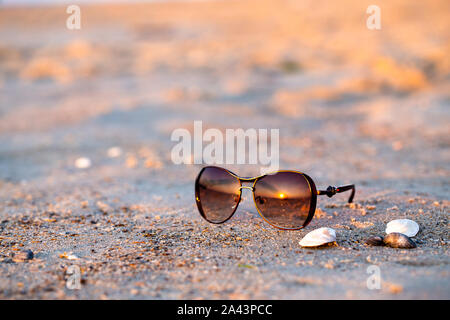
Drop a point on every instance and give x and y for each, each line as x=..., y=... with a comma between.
x=23, y=256
x=68, y=256
x=114, y=152
x=131, y=161
x=83, y=163
x=395, y=288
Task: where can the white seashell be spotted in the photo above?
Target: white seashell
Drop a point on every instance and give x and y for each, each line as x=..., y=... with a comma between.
x=405, y=226
x=72, y=257
x=114, y=152
x=318, y=237
x=83, y=163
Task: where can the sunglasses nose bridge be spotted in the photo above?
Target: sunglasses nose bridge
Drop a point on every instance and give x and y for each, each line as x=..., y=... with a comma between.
x=246, y=187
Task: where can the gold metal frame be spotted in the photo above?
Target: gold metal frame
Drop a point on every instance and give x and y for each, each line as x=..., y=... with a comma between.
x=310, y=182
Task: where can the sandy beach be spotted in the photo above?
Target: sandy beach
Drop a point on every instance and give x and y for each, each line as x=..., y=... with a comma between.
x=353, y=105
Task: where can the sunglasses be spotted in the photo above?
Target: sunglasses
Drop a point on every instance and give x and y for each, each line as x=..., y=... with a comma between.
x=285, y=199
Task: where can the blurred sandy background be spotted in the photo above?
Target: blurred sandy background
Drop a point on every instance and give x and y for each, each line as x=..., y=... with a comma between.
x=353, y=105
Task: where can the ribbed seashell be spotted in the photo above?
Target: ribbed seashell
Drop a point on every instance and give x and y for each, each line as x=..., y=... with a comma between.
x=405, y=226
x=375, y=241
x=399, y=240
x=318, y=237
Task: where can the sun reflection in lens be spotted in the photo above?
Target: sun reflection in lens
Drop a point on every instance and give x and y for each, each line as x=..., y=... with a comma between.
x=281, y=195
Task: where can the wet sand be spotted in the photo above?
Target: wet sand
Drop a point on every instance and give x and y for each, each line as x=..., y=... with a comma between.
x=352, y=105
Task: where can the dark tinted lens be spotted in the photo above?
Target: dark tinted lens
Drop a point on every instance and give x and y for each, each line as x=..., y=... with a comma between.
x=283, y=199
x=218, y=194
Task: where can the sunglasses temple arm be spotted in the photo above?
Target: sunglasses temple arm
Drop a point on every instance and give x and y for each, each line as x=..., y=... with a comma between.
x=331, y=191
